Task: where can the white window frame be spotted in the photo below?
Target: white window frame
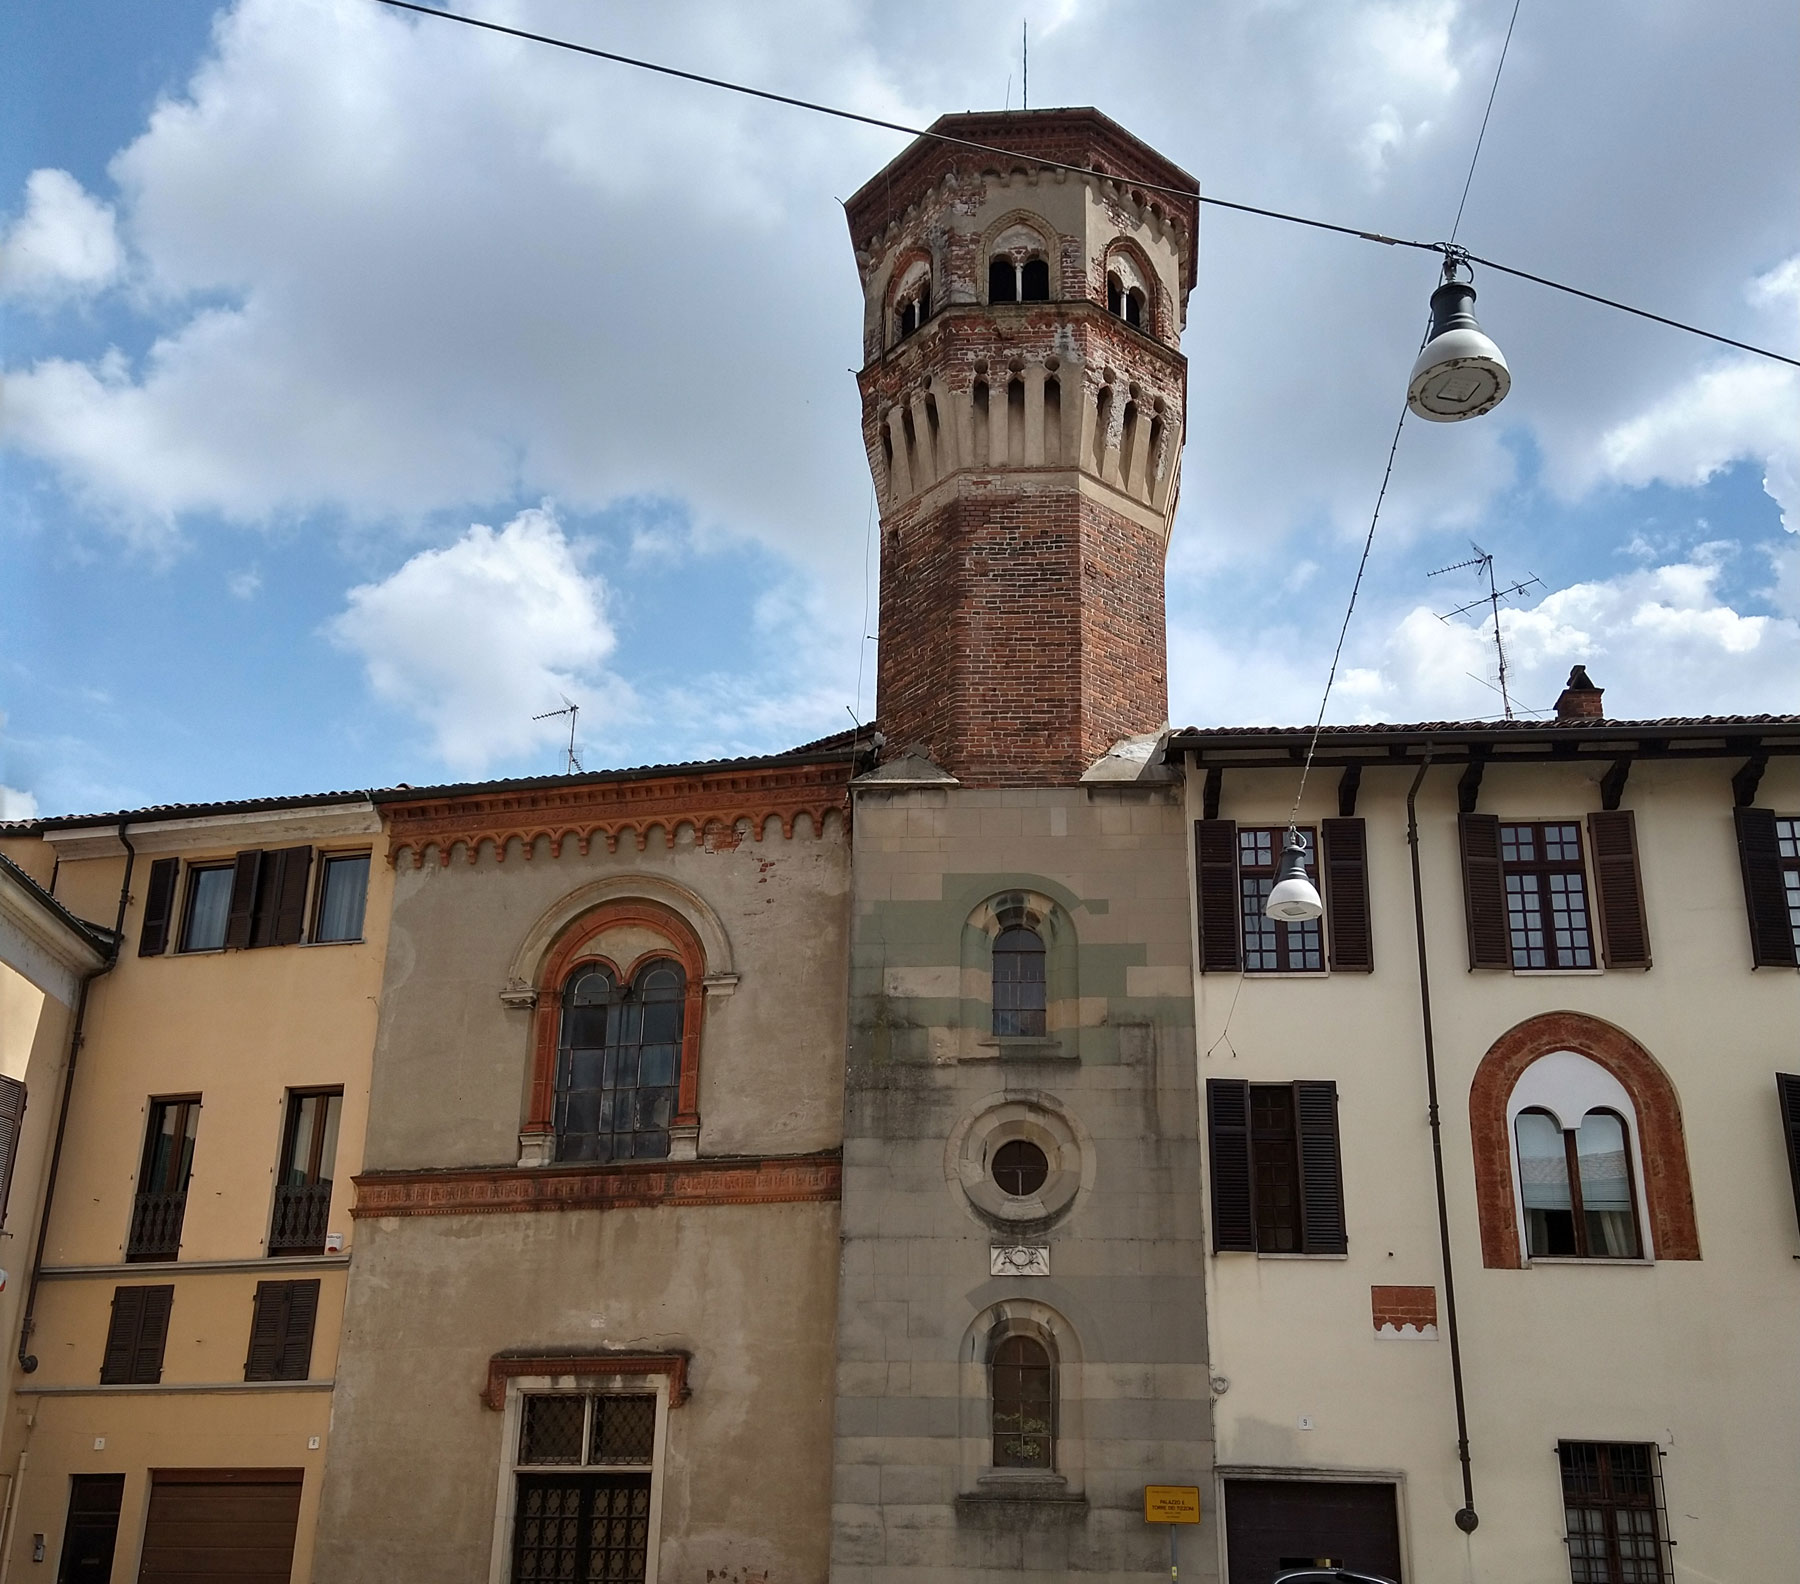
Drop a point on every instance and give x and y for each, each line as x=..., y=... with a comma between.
x=1569, y=1085
x=512, y=1423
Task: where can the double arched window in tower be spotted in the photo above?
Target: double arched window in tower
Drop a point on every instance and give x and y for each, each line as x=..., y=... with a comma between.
x=912, y=299
x=1124, y=301
x=1015, y=278
x=618, y=1064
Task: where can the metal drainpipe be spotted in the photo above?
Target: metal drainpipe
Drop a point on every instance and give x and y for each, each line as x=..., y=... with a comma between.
x=28, y=1361
x=1466, y=1519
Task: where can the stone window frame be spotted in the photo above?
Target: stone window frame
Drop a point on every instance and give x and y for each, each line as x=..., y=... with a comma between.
x=569, y=935
x=1048, y=248
x=582, y=1376
x=914, y=275
x=1036, y=910
x=998, y=1119
x=1667, y=1220
x=1153, y=314
x=1048, y=1326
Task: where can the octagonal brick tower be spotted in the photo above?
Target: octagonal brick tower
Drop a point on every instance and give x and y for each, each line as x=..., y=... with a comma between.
x=1023, y=408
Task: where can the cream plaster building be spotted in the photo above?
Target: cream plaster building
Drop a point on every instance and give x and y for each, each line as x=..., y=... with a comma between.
x=1600, y=982
x=179, y=1288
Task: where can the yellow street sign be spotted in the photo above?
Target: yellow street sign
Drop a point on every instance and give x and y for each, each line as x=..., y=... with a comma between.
x=1172, y=1504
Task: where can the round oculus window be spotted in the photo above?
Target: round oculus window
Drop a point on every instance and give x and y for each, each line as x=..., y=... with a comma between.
x=1019, y=1168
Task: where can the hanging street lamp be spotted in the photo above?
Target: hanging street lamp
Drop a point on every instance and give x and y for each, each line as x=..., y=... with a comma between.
x=1460, y=373
x=1293, y=898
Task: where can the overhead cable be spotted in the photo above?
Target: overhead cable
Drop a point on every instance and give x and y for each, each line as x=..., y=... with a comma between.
x=1186, y=194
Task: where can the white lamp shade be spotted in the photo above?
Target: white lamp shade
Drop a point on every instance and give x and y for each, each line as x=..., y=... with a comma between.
x=1460, y=373
x=1293, y=898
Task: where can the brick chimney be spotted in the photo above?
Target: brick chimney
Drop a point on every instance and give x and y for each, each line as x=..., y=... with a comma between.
x=1580, y=700
x=1024, y=402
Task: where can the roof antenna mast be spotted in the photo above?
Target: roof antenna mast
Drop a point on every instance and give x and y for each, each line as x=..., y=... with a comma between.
x=1483, y=563
x=1025, y=64
x=572, y=710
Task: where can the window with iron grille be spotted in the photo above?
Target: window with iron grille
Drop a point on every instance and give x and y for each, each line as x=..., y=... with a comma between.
x=583, y=1473
x=1787, y=842
x=1271, y=946
x=1024, y=1404
x=1611, y=1509
x=161, y=1202
x=303, y=1184
x=619, y=1069
x=1546, y=896
x=1020, y=990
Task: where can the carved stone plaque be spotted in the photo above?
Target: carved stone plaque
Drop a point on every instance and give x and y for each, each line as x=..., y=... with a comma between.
x=1018, y=1259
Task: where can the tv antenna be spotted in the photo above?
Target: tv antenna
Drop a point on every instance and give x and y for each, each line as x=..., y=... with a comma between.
x=572, y=710
x=1483, y=563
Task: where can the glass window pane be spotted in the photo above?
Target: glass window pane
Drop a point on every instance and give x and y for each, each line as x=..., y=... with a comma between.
x=552, y=1429
x=345, y=887
x=1023, y=1405
x=624, y=1429
x=209, y=905
x=1600, y=1152
x=1544, y=1185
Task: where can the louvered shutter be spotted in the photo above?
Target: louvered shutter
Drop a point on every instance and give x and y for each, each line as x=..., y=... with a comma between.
x=159, y=908
x=289, y=902
x=1218, y=904
x=268, y=1325
x=122, y=1335
x=1771, y=936
x=153, y=1335
x=1347, y=895
x=1787, y=1088
x=12, y=1118
x=242, y=918
x=1321, y=1168
x=297, y=1339
x=1619, y=889
x=1484, y=890
x=1228, y=1137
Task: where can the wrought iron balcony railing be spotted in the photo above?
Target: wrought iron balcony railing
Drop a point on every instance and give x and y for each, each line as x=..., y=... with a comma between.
x=156, y=1226
x=300, y=1216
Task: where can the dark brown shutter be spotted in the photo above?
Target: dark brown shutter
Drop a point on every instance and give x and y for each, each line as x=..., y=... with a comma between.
x=1217, y=901
x=1347, y=895
x=1771, y=936
x=242, y=919
x=12, y=1118
x=1484, y=890
x=1787, y=1088
x=1228, y=1135
x=153, y=1335
x=1619, y=890
x=1321, y=1169
x=290, y=900
x=281, y=1330
x=137, y=1336
x=280, y=914
x=159, y=908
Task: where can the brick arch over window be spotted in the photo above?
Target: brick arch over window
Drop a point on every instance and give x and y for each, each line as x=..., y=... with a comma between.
x=1668, y=1193
x=577, y=944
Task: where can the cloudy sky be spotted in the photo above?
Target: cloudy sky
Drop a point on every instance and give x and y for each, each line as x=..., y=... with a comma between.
x=372, y=384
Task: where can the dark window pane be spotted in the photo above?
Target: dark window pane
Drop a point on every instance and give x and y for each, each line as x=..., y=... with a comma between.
x=1271, y=946
x=552, y=1429
x=1036, y=278
x=1024, y=1404
x=619, y=1068
x=1002, y=281
x=209, y=906
x=1020, y=1168
x=1275, y=1165
x=624, y=1429
x=343, y=889
x=1019, y=986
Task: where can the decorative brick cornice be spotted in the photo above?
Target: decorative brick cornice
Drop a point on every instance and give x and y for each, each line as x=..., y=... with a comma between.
x=711, y=805
x=633, y=1185
x=503, y=1367
x=1668, y=1192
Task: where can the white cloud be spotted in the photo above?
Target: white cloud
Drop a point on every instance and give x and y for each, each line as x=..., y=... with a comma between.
x=477, y=638
x=63, y=244
x=17, y=805
x=244, y=585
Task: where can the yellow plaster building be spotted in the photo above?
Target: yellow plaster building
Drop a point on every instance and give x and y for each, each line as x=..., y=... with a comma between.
x=180, y=1286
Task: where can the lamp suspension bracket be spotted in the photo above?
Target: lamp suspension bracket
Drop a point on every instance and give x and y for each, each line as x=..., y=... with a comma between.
x=1460, y=372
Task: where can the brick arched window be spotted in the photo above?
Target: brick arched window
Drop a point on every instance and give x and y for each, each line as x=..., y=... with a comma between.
x=617, y=1025
x=1649, y=1168
x=618, y=1061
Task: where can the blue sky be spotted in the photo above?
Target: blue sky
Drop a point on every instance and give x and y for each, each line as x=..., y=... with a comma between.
x=370, y=384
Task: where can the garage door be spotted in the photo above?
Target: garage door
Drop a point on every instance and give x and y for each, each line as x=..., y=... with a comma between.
x=1271, y=1525
x=208, y=1525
